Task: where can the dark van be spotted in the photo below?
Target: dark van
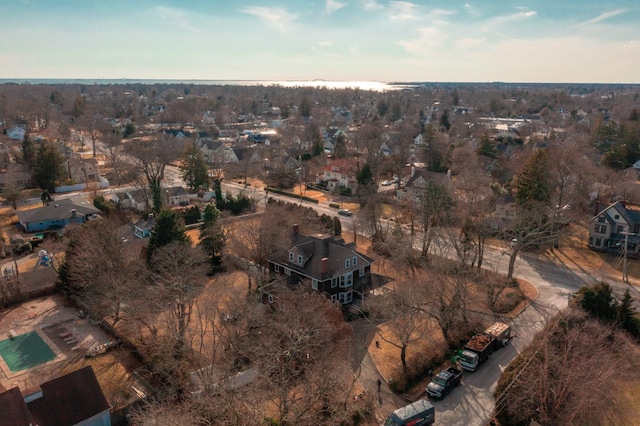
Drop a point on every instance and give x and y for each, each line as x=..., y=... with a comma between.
x=419, y=413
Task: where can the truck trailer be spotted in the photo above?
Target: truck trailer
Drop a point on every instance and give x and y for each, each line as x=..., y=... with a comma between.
x=480, y=347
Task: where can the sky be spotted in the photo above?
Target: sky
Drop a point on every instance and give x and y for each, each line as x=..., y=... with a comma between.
x=578, y=41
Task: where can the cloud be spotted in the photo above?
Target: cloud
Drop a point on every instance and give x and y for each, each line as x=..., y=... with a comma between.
x=278, y=17
x=371, y=5
x=602, y=17
x=333, y=5
x=503, y=19
x=173, y=17
x=470, y=9
x=402, y=10
x=427, y=40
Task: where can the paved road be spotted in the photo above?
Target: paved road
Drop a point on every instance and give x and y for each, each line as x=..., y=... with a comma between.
x=472, y=403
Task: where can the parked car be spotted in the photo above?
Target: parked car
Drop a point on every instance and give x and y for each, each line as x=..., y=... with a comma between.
x=420, y=413
x=345, y=212
x=444, y=382
x=386, y=182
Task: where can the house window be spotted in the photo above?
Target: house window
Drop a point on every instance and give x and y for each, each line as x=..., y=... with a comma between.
x=601, y=219
x=334, y=283
x=299, y=259
x=598, y=242
x=617, y=217
x=347, y=263
x=276, y=268
x=270, y=298
x=334, y=297
x=346, y=297
x=354, y=262
x=287, y=271
x=314, y=284
x=620, y=229
x=346, y=280
x=362, y=272
x=600, y=229
x=290, y=256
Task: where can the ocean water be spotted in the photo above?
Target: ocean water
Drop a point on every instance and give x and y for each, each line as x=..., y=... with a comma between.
x=362, y=85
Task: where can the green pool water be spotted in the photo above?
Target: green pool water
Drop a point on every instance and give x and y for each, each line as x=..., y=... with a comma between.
x=25, y=351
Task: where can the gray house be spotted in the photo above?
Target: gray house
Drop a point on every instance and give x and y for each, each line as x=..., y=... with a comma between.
x=329, y=264
x=608, y=229
x=57, y=214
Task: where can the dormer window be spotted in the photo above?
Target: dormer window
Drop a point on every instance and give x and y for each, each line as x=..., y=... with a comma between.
x=300, y=259
x=290, y=256
x=347, y=263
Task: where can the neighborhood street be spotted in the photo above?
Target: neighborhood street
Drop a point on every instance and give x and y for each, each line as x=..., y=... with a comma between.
x=473, y=403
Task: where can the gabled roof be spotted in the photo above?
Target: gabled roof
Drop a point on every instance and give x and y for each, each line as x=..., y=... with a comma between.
x=439, y=178
x=176, y=191
x=69, y=399
x=58, y=210
x=632, y=217
x=13, y=409
x=317, y=247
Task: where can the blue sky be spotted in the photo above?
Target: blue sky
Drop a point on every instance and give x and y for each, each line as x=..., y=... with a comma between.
x=379, y=40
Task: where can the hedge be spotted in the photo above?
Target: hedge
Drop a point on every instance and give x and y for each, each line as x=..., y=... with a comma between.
x=289, y=194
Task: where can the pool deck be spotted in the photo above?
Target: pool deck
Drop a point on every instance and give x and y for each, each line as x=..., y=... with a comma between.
x=51, y=317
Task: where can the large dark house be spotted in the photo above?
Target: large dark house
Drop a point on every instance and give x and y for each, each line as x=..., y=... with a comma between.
x=327, y=264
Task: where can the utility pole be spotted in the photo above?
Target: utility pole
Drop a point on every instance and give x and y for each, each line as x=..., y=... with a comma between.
x=625, y=273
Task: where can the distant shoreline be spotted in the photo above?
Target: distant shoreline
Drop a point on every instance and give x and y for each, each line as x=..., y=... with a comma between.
x=327, y=84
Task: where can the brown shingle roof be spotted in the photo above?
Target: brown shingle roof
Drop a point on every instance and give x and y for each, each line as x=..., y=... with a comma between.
x=69, y=399
x=13, y=410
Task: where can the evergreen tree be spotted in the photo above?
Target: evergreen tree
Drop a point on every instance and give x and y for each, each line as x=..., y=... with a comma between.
x=305, y=108
x=194, y=168
x=28, y=152
x=598, y=301
x=444, y=120
x=532, y=183
x=487, y=147
x=48, y=167
x=337, y=226
x=212, y=238
x=169, y=228
x=340, y=147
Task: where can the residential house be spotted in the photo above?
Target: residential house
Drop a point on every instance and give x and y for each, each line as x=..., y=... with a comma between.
x=143, y=227
x=16, y=133
x=15, y=175
x=57, y=215
x=418, y=182
x=177, y=196
x=327, y=264
x=137, y=199
x=74, y=399
x=504, y=213
x=219, y=153
x=339, y=173
x=329, y=138
x=82, y=170
x=614, y=225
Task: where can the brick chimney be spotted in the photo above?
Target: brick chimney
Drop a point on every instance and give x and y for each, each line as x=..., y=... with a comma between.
x=324, y=266
x=296, y=229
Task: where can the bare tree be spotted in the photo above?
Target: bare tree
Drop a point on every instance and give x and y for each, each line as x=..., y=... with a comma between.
x=405, y=318
x=151, y=158
x=574, y=372
x=178, y=274
x=104, y=283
